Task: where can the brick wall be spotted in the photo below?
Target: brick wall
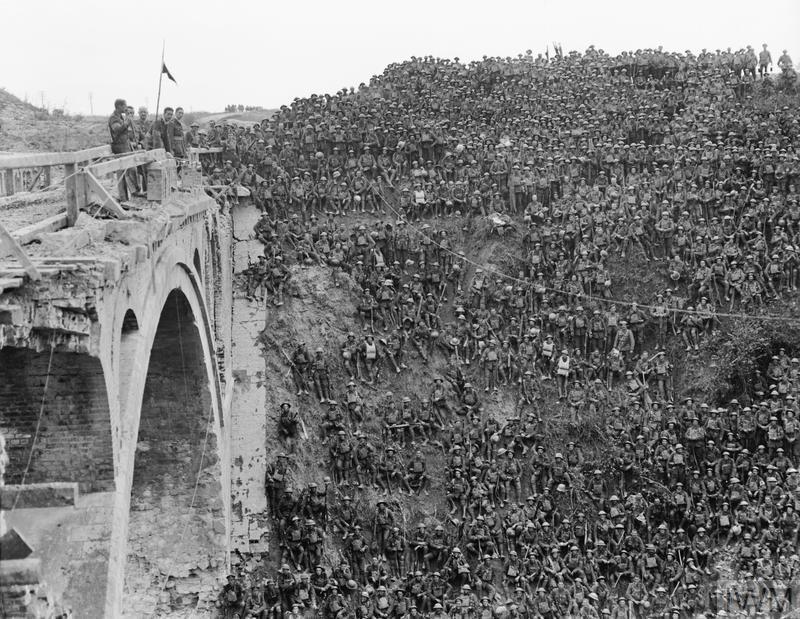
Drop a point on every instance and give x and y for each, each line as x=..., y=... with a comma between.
x=74, y=442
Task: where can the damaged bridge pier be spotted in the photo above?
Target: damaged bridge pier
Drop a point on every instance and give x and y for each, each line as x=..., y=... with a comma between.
x=115, y=389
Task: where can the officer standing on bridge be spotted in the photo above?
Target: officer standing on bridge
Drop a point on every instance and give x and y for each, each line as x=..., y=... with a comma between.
x=159, y=130
x=120, y=126
x=175, y=135
x=143, y=128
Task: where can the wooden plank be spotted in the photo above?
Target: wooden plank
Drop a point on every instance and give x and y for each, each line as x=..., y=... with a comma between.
x=28, y=233
x=127, y=161
x=58, y=266
x=11, y=245
x=205, y=151
x=65, y=259
x=11, y=263
x=35, y=160
x=10, y=282
x=70, y=185
x=20, y=272
x=107, y=200
x=52, y=268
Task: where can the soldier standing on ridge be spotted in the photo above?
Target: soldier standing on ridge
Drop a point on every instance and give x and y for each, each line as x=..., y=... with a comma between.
x=764, y=60
x=158, y=130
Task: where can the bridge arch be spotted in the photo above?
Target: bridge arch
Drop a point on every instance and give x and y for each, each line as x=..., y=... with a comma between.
x=171, y=505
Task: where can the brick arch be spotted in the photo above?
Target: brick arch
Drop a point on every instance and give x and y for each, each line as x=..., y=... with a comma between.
x=180, y=276
x=165, y=418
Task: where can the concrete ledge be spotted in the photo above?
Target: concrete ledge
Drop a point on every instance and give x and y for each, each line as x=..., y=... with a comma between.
x=20, y=572
x=54, y=494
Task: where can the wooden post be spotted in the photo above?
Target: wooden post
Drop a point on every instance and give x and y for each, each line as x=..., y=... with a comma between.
x=14, y=248
x=9, y=181
x=71, y=184
x=81, y=190
x=92, y=185
x=47, y=176
x=122, y=187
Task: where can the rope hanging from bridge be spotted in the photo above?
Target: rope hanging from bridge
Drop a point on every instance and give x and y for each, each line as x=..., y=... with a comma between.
x=38, y=423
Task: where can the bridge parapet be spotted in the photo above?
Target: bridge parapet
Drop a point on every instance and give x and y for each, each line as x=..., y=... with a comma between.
x=33, y=171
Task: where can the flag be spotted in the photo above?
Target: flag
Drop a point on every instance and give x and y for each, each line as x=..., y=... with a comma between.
x=165, y=70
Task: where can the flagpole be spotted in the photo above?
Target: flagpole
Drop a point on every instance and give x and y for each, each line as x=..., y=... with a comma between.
x=160, y=77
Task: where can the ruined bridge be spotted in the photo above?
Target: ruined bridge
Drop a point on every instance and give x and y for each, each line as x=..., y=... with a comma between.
x=115, y=388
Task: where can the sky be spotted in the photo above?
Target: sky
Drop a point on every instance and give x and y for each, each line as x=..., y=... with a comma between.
x=82, y=54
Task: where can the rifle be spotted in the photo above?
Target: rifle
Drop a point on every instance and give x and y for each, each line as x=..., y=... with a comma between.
x=303, y=427
x=442, y=290
x=419, y=308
